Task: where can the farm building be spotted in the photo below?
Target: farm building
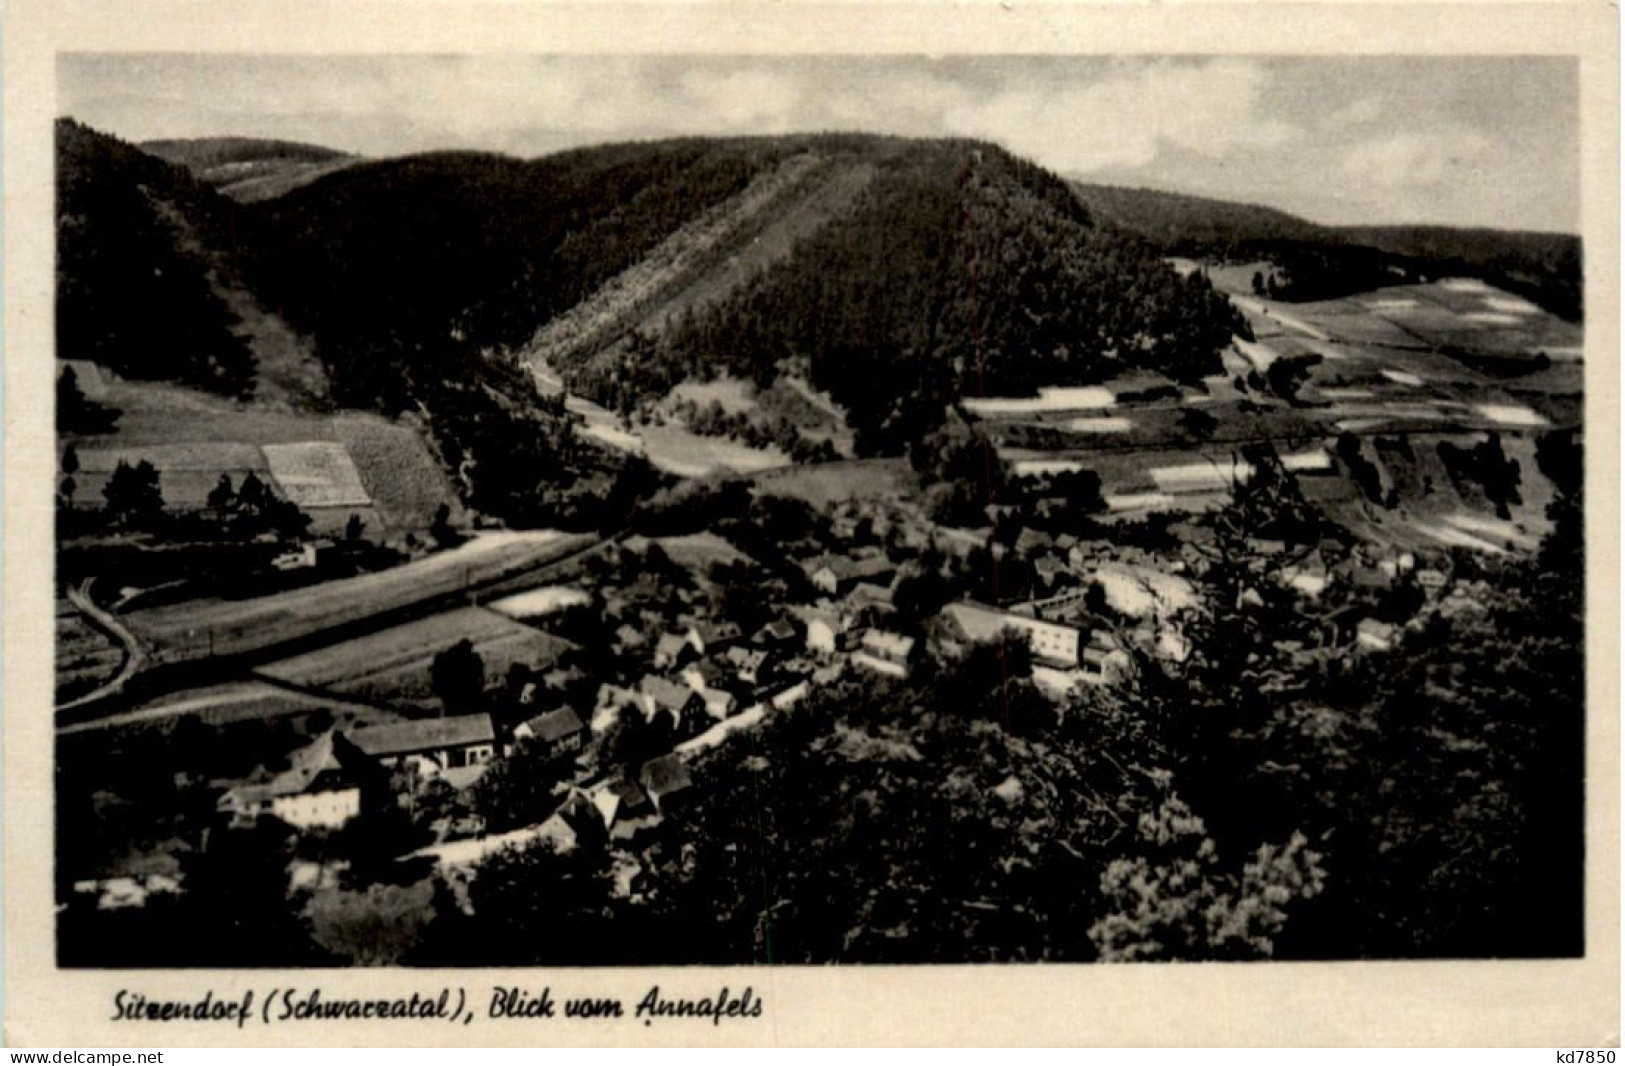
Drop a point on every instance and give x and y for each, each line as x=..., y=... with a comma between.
x=836, y=575
x=315, y=791
x=559, y=732
x=448, y=743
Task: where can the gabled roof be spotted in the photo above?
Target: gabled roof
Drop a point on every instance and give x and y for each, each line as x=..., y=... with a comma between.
x=710, y=632
x=777, y=630
x=424, y=734
x=305, y=766
x=671, y=643
x=747, y=658
x=555, y=724
x=663, y=776
x=666, y=694
x=892, y=645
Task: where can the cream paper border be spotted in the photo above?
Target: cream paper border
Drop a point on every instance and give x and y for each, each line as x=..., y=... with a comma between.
x=1558, y=1003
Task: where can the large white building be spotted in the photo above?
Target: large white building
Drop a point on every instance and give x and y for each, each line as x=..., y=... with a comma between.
x=1052, y=643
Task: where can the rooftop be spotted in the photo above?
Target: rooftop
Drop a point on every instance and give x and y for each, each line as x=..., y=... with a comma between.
x=424, y=734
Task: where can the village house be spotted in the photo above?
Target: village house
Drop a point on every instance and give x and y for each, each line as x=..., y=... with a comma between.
x=671, y=649
x=1102, y=661
x=711, y=637
x=868, y=599
x=1374, y=635
x=430, y=743
x=780, y=633
x=885, y=653
x=680, y=704
x=708, y=673
x=836, y=575
x=557, y=732
x=719, y=703
x=1052, y=643
x=826, y=632
x=751, y=665
x=315, y=791
x=623, y=809
x=665, y=779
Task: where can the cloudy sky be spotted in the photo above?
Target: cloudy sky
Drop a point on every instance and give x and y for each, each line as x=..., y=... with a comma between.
x=1472, y=141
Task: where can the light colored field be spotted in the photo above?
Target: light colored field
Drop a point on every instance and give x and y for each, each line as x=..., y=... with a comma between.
x=1510, y=414
x=1104, y=424
x=732, y=394
x=539, y=602
x=1515, y=305
x=1043, y=467
x=393, y=666
x=822, y=484
x=397, y=471
x=1201, y=477
x=696, y=551
x=677, y=451
x=1141, y=501
x=316, y=474
x=1048, y=401
x=1402, y=377
x=1491, y=318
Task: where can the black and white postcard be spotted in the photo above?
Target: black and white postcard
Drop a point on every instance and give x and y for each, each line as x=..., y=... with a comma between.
x=660, y=525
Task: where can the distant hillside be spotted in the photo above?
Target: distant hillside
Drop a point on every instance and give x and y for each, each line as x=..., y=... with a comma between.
x=894, y=274
x=247, y=168
x=1320, y=262
x=958, y=269
x=134, y=289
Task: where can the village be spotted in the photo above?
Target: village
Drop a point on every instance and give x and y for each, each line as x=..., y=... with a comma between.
x=668, y=649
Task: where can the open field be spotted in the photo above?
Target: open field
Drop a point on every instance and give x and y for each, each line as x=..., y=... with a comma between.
x=821, y=484
x=202, y=629
x=393, y=665
x=193, y=438
x=316, y=474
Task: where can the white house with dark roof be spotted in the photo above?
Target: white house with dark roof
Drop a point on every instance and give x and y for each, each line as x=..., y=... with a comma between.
x=885, y=653
x=315, y=791
x=1052, y=643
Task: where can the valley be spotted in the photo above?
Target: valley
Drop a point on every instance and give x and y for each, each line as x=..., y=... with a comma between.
x=889, y=519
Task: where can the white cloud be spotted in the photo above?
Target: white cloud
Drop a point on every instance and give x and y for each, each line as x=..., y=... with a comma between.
x=1416, y=159
x=1128, y=117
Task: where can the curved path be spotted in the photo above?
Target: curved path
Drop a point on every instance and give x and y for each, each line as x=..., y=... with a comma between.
x=135, y=656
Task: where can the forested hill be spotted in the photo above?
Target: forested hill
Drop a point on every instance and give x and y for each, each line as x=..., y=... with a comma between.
x=956, y=267
x=133, y=267
x=959, y=269
x=898, y=274
x=1321, y=262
